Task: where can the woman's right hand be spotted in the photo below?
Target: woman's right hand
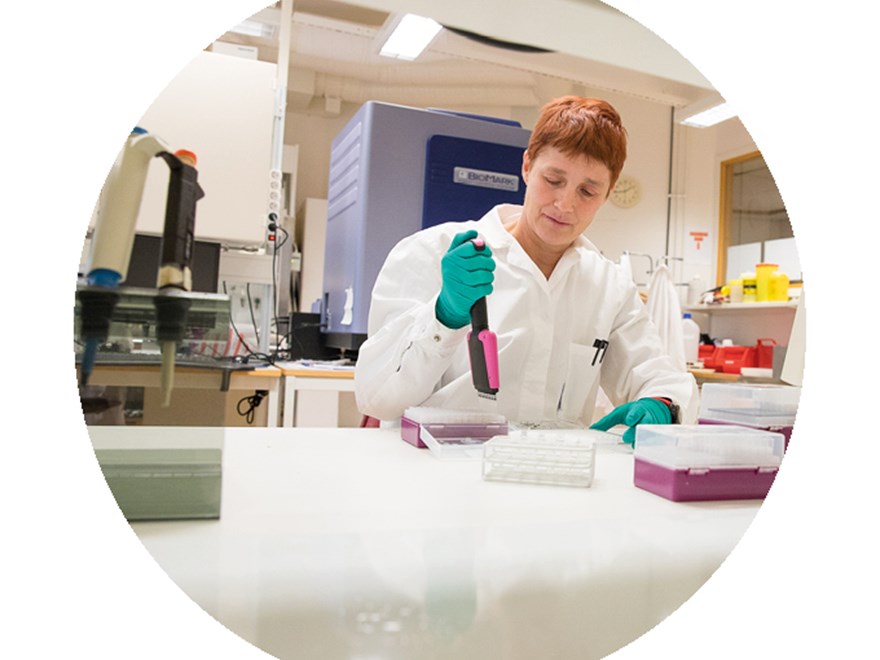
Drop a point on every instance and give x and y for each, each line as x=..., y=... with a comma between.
x=467, y=276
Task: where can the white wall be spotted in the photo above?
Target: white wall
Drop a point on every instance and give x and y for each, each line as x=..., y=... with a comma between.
x=642, y=228
x=240, y=218
x=700, y=154
x=638, y=229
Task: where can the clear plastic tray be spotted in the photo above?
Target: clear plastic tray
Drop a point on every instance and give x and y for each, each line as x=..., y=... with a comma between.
x=562, y=458
x=450, y=433
x=454, y=446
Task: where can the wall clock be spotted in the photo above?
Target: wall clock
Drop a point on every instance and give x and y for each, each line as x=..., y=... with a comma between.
x=627, y=192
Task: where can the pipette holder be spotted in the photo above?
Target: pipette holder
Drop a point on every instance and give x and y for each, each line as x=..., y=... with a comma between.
x=133, y=326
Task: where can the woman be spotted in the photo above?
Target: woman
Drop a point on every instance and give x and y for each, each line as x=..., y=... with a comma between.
x=567, y=319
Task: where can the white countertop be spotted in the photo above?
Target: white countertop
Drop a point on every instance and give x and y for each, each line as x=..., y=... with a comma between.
x=345, y=543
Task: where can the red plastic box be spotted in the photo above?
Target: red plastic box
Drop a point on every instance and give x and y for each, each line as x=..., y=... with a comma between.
x=764, y=353
x=706, y=355
x=731, y=359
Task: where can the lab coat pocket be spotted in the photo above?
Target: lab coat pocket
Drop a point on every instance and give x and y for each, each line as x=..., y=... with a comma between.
x=580, y=376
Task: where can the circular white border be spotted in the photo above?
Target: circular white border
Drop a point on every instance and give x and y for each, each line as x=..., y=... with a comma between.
x=79, y=75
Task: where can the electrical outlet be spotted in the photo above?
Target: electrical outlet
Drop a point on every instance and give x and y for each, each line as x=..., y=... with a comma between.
x=274, y=201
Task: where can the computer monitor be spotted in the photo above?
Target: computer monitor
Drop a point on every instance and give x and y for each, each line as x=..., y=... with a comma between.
x=143, y=267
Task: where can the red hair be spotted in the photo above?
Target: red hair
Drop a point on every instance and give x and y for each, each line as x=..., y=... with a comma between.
x=582, y=127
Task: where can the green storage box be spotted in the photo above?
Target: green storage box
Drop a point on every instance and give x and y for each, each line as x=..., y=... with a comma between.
x=164, y=484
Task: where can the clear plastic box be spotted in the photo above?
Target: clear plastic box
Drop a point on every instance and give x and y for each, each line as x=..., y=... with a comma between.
x=164, y=484
x=706, y=462
x=562, y=458
x=755, y=404
x=761, y=406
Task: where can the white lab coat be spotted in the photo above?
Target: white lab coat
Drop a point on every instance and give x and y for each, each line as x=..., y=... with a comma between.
x=551, y=354
x=665, y=311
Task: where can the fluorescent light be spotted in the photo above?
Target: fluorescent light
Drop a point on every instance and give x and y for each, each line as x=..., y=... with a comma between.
x=411, y=36
x=710, y=116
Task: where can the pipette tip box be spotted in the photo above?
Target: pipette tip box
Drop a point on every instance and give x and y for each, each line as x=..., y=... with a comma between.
x=164, y=484
x=770, y=407
x=560, y=458
x=450, y=433
x=706, y=462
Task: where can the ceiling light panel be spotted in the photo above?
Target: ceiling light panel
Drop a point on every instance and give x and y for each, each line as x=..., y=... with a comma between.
x=410, y=37
x=710, y=116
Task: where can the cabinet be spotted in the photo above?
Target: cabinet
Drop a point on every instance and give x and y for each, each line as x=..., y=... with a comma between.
x=221, y=108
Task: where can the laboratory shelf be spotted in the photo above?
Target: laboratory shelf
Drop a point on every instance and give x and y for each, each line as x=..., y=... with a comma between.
x=746, y=323
x=741, y=307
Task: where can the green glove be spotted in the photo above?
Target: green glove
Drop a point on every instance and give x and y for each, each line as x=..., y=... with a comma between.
x=467, y=277
x=643, y=411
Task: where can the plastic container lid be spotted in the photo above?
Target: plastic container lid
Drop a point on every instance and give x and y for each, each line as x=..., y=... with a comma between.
x=451, y=434
x=756, y=404
x=681, y=446
x=458, y=445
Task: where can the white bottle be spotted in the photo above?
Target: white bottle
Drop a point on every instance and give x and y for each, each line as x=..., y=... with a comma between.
x=691, y=334
x=696, y=287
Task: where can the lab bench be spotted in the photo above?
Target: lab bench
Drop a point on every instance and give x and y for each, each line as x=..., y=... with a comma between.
x=201, y=396
x=342, y=543
x=318, y=396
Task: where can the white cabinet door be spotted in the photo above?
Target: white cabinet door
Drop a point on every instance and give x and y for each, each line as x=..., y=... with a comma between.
x=219, y=107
